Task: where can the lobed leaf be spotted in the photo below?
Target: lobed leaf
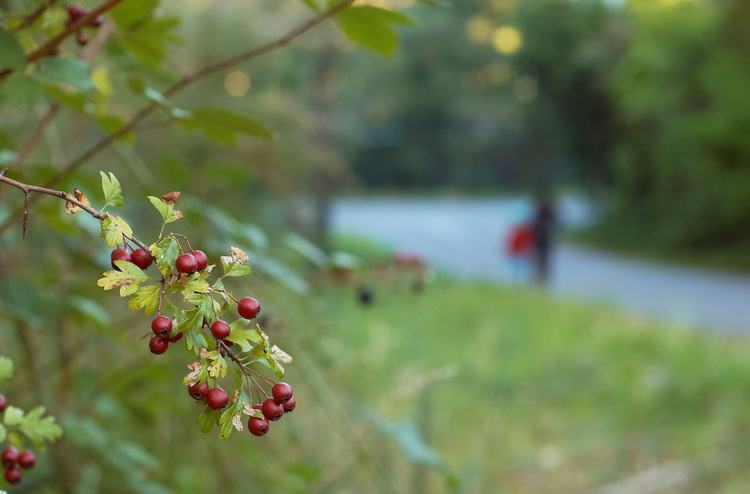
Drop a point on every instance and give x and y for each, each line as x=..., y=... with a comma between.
x=40, y=429
x=372, y=27
x=114, y=229
x=112, y=190
x=128, y=278
x=147, y=298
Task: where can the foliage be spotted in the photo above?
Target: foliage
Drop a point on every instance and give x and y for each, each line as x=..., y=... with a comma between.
x=75, y=88
x=682, y=175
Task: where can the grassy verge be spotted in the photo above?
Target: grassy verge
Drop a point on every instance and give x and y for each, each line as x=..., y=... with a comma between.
x=520, y=393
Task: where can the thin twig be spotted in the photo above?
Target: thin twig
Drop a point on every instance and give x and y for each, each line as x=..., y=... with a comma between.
x=50, y=45
x=28, y=189
x=128, y=126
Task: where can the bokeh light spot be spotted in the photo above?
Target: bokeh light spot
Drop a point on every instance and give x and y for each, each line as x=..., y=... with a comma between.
x=507, y=39
x=237, y=83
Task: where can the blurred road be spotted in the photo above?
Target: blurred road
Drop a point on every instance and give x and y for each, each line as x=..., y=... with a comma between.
x=463, y=237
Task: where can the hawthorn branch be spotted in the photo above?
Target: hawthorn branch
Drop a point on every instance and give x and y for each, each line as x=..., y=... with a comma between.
x=28, y=189
x=51, y=44
x=189, y=79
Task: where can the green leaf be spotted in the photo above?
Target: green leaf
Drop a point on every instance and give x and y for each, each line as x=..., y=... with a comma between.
x=129, y=275
x=147, y=298
x=3, y=433
x=40, y=429
x=245, y=338
x=223, y=126
x=66, y=70
x=6, y=369
x=235, y=270
x=12, y=416
x=166, y=253
x=127, y=14
x=218, y=366
x=11, y=52
x=148, y=40
x=372, y=27
x=112, y=190
x=19, y=90
x=208, y=418
x=113, y=230
x=161, y=206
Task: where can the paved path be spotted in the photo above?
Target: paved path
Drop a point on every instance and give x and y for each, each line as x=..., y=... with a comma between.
x=462, y=237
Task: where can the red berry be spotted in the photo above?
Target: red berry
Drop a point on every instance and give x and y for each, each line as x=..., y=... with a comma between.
x=161, y=326
x=217, y=398
x=176, y=337
x=248, y=307
x=82, y=38
x=27, y=459
x=201, y=259
x=282, y=392
x=289, y=405
x=75, y=12
x=257, y=427
x=97, y=21
x=13, y=475
x=3, y=403
x=158, y=345
x=186, y=263
x=198, y=391
x=272, y=409
x=120, y=254
x=141, y=258
x=220, y=329
x=9, y=456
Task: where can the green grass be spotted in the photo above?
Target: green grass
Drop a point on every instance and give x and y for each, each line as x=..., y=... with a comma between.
x=536, y=395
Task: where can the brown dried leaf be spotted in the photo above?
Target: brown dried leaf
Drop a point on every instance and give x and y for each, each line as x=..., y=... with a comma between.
x=204, y=354
x=238, y=255
x=72, y=208
x=235, y=395
x=177, y=214
x=247, y=409
x=172, y=197
x=281, y=356
x=237, y=422
x=192, y=377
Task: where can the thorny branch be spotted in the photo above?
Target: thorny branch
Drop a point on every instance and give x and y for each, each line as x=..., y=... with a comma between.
x=28, y=189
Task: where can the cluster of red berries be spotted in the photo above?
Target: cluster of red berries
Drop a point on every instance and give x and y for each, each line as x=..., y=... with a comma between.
x=139, y=257
x=75, y=12
x=281, y=402
x=12, y=459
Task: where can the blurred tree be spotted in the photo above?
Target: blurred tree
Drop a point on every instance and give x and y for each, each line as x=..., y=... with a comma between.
x=682, y=178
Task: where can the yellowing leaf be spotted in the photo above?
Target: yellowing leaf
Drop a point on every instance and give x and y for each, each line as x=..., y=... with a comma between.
x=128, y=276
x=113, y=230
x=147, y=298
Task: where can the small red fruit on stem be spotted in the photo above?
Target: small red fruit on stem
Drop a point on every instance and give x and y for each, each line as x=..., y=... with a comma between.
x=13, y=475
x=141, y=258
x=161, y=326
x=158, y=345
x=186, y=263
x=120, y=254
x=198, y=391
x=3, y=403
x=248, y=308
x=27, y=459
x=9, y=456
x=272, y=409
x=257, y=427
x=282, y=392
x=217, y=398
x=220, y=329
x=201, y=259
x=289, y=405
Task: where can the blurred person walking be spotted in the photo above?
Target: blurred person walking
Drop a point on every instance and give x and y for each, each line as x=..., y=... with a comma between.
x=543, y=224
